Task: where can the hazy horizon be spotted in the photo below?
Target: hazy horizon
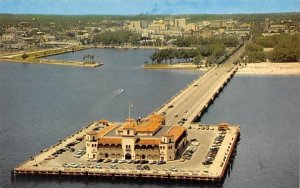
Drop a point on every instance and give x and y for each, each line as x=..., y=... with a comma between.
x=155, y=7
x=148, y=14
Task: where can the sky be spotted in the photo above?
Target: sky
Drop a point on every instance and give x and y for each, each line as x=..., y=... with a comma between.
x=133, y=7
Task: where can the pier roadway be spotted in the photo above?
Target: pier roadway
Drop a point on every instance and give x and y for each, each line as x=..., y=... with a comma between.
x=190, y=102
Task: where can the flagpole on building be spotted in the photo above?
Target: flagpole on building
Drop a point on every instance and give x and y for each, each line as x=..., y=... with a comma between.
x=129, y=112
x=129, y=108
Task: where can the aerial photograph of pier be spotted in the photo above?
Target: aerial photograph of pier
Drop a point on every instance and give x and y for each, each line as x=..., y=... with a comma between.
x=162, y=93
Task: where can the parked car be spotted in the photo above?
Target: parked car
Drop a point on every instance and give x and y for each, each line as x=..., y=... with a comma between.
x=80, y=165
x=73, y=165
x=172, y=168
x=146, y=167
x=139, y=167
x=137, y=162
x=113, y=166
x=144, y=161
x=161, y=162
x=129, y=161
x=98, y=166
x=152, y=162
x=107, y=161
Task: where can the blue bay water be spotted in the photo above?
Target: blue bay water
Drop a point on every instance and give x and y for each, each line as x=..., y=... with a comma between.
x=40, y=104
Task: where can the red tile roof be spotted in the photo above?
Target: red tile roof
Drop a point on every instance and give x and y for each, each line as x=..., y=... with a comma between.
x=92, y=133
x=175, y=131
x=110, y=140
x=105, y=130
x=148, y=141
x=149, y=127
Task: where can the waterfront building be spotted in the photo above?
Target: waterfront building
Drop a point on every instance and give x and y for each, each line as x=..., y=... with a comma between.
x=141, y=139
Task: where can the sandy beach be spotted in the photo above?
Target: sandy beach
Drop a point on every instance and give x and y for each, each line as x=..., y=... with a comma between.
x=270, y=69
x=174, y=66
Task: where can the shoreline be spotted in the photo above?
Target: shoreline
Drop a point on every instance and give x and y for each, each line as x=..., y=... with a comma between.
x=184, y=66
x=126, y=47
x=58, y=62
x=36, y=57
x=283, y=69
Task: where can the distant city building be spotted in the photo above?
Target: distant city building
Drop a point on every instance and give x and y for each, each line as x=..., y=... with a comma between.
x=205, y=33
x=245, y=26
x=10, y=37
x=141, y=139
x=240, y=32
x=158, y=26
x=205, y=23
x=215, y=24
x=276, y=28
x=192, y=27
x=135, y=26
x=266, y=24
x=180, y=23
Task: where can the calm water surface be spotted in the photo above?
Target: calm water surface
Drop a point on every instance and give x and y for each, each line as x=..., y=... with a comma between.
x=40, y=104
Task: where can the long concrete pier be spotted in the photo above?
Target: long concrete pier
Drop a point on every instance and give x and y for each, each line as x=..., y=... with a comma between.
x=183, y=108
x=190, y=103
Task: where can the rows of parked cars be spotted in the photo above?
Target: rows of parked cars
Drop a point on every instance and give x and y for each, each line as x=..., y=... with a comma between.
x=214, y=149
x=141, y=167
x=114, y=162
x=80, y=165
x=205, y=127
x=79, y=153
x=189, y=152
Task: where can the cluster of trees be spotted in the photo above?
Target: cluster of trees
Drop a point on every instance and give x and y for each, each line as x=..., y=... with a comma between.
x=254, y=53
x=286, y=48
x=210, y=50
x=117, y=38
x=213, y=53
x=168, y=55
x=228, y=41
